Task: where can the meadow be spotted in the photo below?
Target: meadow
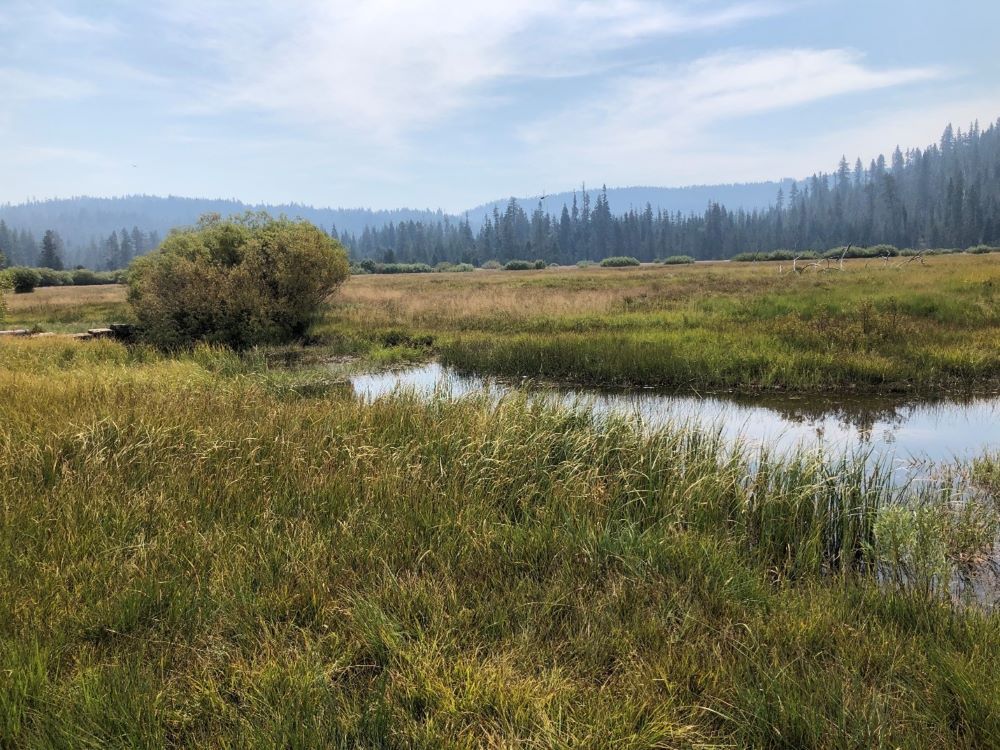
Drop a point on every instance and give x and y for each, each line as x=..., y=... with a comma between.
x=904, y=326
x=202, y=550
x=874, y=327
x=208, y=549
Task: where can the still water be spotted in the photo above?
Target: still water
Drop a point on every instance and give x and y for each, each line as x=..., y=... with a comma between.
x=908, y=433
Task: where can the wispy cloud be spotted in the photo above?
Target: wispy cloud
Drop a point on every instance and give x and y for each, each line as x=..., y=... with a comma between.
x=23, y=84
x=383, y=67
x=60, y=22
x=666, y=112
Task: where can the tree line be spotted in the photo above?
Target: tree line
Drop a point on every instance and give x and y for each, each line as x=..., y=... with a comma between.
x=18, y=247
x=944, y=196
x=947, y=195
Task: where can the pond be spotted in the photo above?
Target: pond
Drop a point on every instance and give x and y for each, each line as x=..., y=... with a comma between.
x=909, y=433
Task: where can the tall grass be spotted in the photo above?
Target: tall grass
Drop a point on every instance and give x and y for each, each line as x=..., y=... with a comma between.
x=204, y=551
x=913, y=327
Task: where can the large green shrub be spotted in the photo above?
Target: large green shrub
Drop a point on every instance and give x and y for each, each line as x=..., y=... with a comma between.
x=51, y=277
x=519, y=265
x=238, y=282
x=678, y=260
x=24, y=280
x=403, y=268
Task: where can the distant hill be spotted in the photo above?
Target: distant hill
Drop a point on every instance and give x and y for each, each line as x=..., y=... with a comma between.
x=82, y=220
x=687, y=200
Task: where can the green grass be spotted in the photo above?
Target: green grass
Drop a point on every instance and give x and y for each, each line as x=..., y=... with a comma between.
x=903, y=330
x=905, y=327
x=212, y=550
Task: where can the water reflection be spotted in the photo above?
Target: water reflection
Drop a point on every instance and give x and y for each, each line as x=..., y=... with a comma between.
x=906, y=431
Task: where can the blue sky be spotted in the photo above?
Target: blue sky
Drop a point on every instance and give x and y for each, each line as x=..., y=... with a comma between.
x=445, y=103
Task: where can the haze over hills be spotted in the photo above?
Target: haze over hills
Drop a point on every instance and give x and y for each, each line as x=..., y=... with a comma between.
x=84, y=219
x=81, y=220
x=945, y=195
x=687, y=200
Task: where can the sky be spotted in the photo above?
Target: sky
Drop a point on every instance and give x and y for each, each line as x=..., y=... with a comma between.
x=451, y=103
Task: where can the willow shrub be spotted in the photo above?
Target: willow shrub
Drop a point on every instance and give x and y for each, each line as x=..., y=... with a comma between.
x=237, y=282
x=619, y=261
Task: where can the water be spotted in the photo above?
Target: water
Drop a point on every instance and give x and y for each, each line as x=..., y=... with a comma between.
x=908, y=433
x=915, y=439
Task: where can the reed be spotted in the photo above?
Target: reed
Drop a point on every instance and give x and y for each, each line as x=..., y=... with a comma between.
x=211, y=550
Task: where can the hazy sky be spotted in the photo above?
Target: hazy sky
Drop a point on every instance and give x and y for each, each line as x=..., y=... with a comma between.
x=448, y=103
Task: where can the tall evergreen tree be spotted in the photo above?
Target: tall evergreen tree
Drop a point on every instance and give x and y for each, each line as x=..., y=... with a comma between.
x=51, y=253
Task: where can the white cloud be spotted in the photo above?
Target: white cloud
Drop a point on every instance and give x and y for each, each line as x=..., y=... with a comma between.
x=384, y=67
x=659, y=119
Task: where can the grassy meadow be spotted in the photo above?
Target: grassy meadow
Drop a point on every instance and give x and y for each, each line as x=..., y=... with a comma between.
x=216, y=550
x=873, y=327
x=201, y=550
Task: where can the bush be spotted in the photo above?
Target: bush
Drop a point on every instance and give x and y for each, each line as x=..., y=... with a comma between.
x=875, y=251
x=238, y=282
x=519, y=265
x=48, y=277
x=403, y=268
x=492, y=265
x=677, y=260
x=24, y=280
x=86, y=277
x=541, y=264
x=982, y=249
x=619, y=261
x=776, y=255
x=459, y=268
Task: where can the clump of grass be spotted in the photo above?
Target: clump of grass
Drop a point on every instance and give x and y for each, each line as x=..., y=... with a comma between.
x=986, y=473
x=203, y=550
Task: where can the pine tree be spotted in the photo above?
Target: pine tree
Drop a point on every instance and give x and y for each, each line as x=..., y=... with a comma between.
x=126, y=250
x=138, y=242
x=50, y=257
x=112, y=252
x=6, y=244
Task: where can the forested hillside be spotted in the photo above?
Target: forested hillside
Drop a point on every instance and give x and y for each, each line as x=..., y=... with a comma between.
x=85, y=225
x=687, y=199
x=945, y=195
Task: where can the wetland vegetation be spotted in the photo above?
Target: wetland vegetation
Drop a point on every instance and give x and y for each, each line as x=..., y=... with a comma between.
x=199, y=549
x=211, y=548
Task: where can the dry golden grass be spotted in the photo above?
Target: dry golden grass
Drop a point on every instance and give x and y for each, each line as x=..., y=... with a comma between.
x=61, y=297
x=459, y=301
x=875, y=326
